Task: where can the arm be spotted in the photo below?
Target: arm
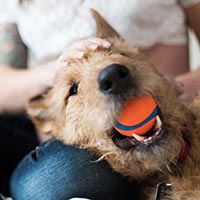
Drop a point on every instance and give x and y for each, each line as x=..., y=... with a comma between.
x=193, y=18
x=17, y=84
x=191, y=81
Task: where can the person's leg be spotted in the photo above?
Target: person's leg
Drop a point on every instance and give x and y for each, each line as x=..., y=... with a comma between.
x=17, y=139
x=57, y=171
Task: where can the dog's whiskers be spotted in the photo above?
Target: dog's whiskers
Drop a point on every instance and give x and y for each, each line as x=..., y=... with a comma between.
x=102, y=157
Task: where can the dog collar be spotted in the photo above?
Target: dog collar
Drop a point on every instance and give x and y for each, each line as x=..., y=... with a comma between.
x=186, y=145
x=164, y=189
x=184, y=152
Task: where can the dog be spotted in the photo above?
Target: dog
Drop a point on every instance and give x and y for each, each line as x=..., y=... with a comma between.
x=87, y=98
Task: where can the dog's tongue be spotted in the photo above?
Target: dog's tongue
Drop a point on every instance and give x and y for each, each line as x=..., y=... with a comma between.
x=138, y=116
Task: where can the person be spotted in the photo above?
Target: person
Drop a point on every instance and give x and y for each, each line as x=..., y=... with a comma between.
x=33, y=33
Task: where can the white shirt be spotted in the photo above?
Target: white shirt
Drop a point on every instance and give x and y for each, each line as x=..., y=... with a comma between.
x=48, y=27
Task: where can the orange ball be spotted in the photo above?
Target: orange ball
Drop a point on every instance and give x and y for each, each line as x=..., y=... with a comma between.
x=138, y=116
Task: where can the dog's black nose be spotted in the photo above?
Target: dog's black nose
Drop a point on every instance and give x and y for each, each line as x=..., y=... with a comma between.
x=114, y=79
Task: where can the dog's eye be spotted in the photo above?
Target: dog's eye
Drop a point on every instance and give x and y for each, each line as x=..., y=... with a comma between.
x=74, y=89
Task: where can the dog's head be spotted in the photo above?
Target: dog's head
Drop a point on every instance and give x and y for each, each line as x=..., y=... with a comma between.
x=82, y=108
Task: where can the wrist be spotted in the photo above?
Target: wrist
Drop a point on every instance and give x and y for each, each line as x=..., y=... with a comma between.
x=38, y=79
x=45, y=74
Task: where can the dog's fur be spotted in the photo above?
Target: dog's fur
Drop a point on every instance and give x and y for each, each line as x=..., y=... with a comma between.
x=86, y=119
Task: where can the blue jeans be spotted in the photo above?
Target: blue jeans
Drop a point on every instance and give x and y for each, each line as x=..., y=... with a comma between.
x=54, y=171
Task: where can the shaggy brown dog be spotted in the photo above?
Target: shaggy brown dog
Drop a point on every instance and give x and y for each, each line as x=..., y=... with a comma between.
x=82, y=108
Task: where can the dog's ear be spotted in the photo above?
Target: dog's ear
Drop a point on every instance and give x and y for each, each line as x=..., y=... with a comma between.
x=41, y=115
x=104, y=30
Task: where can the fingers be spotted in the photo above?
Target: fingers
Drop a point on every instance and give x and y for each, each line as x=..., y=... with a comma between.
x=176, y=86
x=80, y=49
x=72, y=54
x=76, y=51
x=101, y=42
x=91, y=43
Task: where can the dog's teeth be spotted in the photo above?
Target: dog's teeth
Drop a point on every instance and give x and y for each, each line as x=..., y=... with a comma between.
x=158, y=131
x=138, y=137
x=158, y=123
x=148, y=139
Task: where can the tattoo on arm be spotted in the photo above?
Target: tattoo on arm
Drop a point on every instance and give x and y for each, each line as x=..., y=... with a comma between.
x=12, y=50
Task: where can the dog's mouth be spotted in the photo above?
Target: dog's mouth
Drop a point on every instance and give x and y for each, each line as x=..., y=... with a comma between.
x=149, y=138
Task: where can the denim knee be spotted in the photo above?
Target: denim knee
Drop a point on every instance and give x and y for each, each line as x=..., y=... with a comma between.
x=57, y=171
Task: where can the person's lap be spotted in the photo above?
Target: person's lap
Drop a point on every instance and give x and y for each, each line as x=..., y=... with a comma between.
x=57, y=171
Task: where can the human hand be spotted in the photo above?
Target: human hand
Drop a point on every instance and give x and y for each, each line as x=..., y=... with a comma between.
x=184, y=86
x=175, y=85
x=191, y=84
x=81, y=48
x=76, y=51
